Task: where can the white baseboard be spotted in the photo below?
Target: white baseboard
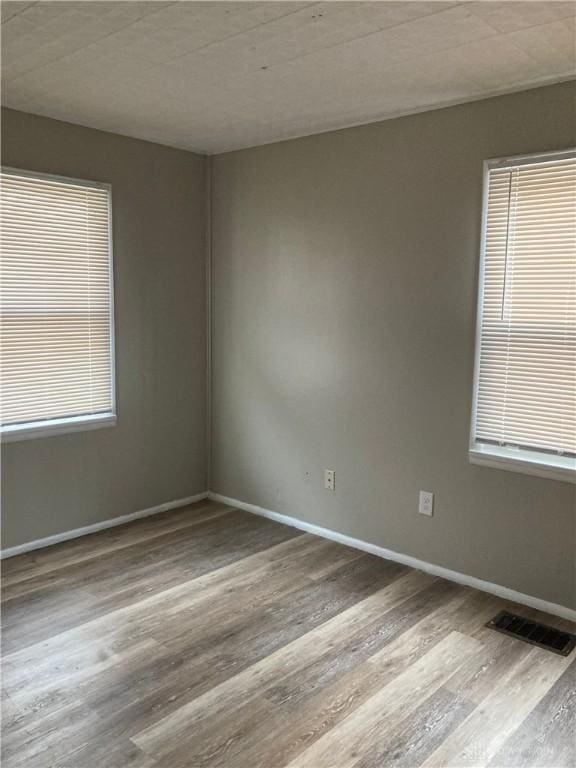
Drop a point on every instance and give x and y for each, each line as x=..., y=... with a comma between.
x=413, y=562
x=29, y=546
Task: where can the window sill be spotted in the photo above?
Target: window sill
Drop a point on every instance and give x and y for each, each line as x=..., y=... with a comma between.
x=539, y=464
x=37, y=429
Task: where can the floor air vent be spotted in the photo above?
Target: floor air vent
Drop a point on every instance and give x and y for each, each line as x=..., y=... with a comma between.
x=532, y=632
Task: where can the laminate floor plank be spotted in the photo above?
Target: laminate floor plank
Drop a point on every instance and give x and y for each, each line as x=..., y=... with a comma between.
x=225, y=704
x=118, y=629
x=345, y=744
x=203, y=656
x=298, y=718
x=27, y=569
x=548, y=735
x=149, y=567
x=417, y=736
x=97, y=672
x=132, y=693
x=514, y=695
x=207, y=637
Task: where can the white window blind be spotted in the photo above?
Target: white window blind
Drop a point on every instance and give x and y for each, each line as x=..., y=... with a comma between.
x=526, y=362
x=56, y=302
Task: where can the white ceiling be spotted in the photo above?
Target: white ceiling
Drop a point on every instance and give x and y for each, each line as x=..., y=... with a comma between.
x=215, y=76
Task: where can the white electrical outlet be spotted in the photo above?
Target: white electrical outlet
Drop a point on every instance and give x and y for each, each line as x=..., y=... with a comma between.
x=329, y=479
x=426, y=505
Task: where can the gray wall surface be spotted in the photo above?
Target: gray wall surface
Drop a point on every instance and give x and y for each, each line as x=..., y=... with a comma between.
x=156, y=453
x=344, y=300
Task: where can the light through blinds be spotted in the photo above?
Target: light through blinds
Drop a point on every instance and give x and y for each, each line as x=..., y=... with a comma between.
x=525, y=396
x=56, y=302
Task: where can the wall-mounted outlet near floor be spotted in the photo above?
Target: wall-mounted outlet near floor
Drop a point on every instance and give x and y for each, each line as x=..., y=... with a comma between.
x=426, y=505
x=329, y=479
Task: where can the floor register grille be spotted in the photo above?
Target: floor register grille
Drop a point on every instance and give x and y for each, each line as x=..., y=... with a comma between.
x=533, y=632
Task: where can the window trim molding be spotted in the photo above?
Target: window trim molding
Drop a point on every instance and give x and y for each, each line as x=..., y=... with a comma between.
x=12, y=433
x=515, y=460
x=71, y=180
x=535, y=159
x=545, y=465
x=33, y=429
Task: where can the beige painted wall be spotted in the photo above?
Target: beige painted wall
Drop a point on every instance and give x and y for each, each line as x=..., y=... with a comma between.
x=345, y=273
x=156, y=453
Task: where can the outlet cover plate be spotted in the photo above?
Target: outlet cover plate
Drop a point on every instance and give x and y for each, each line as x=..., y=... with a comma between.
x=426, y=505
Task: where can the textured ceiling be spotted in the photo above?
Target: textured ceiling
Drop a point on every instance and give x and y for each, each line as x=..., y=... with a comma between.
x=215, y=76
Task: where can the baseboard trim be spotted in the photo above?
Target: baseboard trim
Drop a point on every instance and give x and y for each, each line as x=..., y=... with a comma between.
x=29, y=546
x=420, y=565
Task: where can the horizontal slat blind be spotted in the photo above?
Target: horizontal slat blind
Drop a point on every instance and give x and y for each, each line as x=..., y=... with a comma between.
x=56, y=299
x=526, y=388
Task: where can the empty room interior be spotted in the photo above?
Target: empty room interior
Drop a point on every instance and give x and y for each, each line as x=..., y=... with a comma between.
x=288, y=384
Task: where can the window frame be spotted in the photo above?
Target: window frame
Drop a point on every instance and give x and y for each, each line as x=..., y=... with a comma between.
x=540, y=464
x=59, y=426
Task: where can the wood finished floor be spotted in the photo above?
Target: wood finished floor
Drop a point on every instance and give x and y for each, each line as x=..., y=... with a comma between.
x=210, y=637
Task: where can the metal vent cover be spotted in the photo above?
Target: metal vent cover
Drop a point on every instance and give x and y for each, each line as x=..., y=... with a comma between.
x=533, y=632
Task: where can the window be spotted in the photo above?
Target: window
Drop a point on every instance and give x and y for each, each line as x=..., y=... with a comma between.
x=524, y=413
x=56, y=344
